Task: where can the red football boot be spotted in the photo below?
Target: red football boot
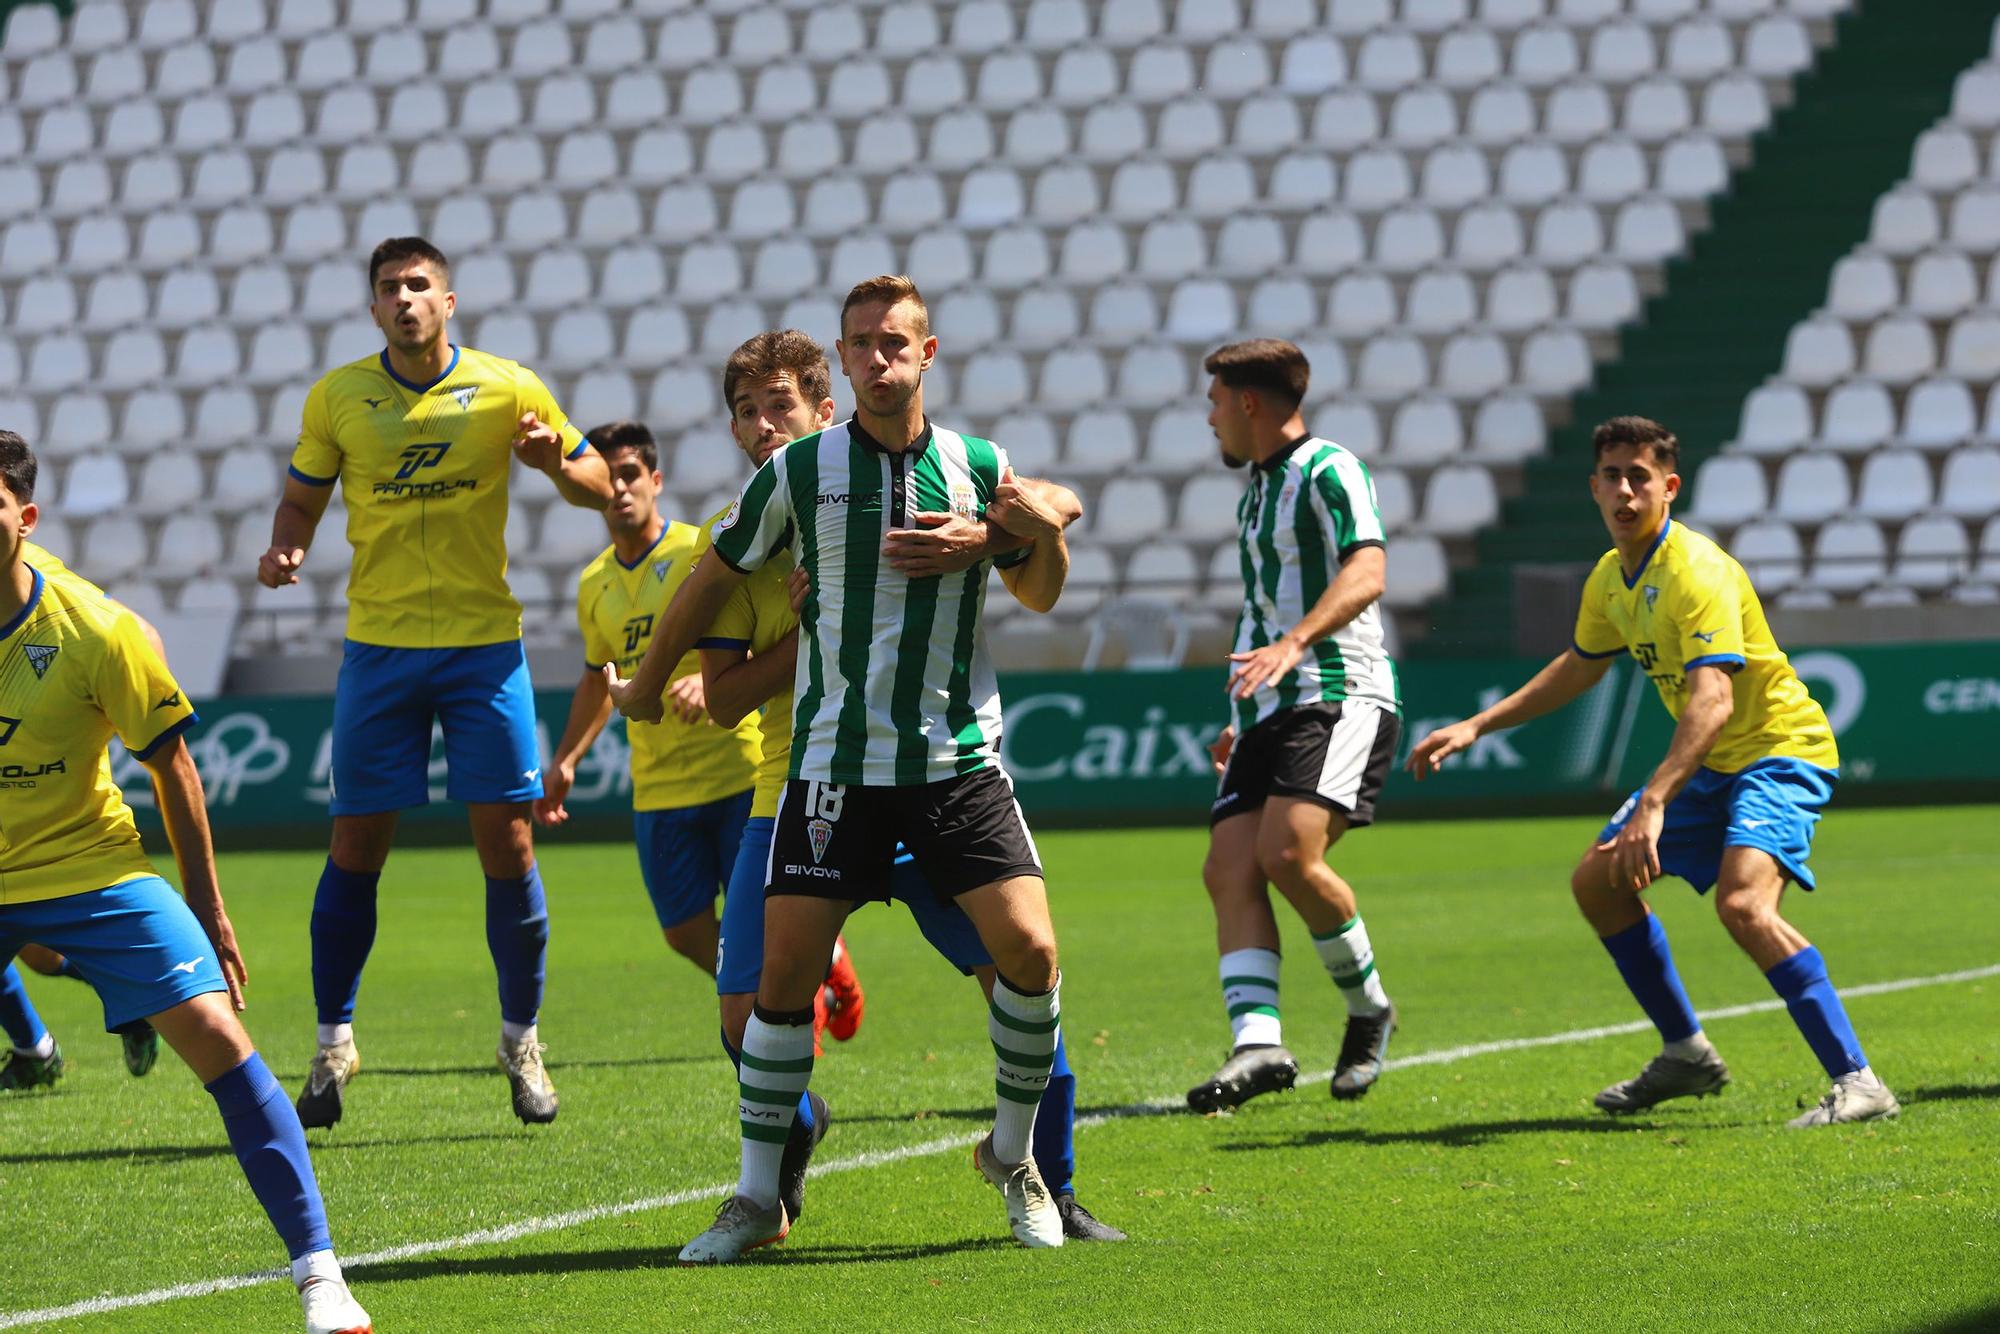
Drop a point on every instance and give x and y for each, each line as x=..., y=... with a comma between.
x=842, y=992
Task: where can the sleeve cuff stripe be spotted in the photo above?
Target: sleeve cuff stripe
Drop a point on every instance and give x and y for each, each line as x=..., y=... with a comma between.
x=1716, y=660
x=1353, y=547
x=581, y=445
x=1583, y=652
x=311, y=480
x=738, y=645
x=723, y=556
x=166, y=736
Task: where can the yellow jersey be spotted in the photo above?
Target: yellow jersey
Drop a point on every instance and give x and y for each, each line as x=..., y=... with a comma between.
x=758, y=615
x=424, y=469
x=1691, y=605
x=74, y=669
x=674, y=763
x=51, y=564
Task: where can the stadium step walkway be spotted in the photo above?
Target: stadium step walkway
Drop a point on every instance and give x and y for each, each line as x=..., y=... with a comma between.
x=1718, y=328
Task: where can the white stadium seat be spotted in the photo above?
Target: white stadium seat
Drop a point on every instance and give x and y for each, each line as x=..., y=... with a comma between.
x=1848, y=555
x=1729, y=489
x=1857, y=415
x=1425, y=432
x=1895, y=483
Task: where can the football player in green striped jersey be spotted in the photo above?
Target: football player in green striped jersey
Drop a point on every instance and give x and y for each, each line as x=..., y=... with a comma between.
x=1315, y=712
x=896, y=726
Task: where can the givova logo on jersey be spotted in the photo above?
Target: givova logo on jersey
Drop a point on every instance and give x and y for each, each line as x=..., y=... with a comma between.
x=636, y=631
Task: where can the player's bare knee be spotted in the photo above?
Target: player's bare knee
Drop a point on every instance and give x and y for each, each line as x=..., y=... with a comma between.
x=1286, y=863
x=361, y=843
x=1747, y=916
x=1031, y=965
x=1590, y=881
x=1228, y=881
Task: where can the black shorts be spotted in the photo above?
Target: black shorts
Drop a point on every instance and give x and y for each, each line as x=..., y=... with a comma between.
x=1335, y=754
x=838, y=841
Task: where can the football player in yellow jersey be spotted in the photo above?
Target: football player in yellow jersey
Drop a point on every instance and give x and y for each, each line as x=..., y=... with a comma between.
x=37, y=1060
x=778, y=388
x=75, y=669
x=691, y=780
x=422, y=439
x=1734, y=803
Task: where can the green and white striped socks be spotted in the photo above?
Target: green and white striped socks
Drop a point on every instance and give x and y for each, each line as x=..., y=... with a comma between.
x=1250, y=990
x=1350, y=961
x=1024, y=1031
x=777, y=1065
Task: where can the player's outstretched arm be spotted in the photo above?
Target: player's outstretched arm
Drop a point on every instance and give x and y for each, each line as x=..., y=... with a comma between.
x=583, y=479
x=1566, y=677
x=696, y=603
x=1363, y=572
x=738, y=682
x=300, y=509
x=177, y=786
x=589, y=711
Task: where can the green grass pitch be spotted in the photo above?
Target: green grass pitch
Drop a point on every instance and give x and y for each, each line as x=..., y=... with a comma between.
x=1481, y=1192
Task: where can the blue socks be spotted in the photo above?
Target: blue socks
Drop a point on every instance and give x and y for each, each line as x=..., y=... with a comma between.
x=517, y=934
x=1801, y=983
x=343, y=931
x=805, y=1111
x=1643, y=960
x=17, y=1015
x=271, y=1146
x=1054, y=1145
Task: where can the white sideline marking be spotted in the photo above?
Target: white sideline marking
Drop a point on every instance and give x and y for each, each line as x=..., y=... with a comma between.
x=531, y=1227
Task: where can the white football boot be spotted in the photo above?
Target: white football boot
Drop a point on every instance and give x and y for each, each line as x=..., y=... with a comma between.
x=331, y=1309
x=1861, y=1096
x=740, y=1225
x=1031, y=1210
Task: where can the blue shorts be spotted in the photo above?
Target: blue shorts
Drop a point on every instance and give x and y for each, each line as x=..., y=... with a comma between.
x=685, y=855
x=386, y=703
x=739, y=953
x=137, y=944
x=1772, y=806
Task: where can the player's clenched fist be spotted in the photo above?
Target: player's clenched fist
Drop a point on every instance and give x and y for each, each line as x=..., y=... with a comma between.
x=280, y=566
x=557, y=779
x=1429, y=755
x=1024, y=511
x=648, y=709
x=537, y=444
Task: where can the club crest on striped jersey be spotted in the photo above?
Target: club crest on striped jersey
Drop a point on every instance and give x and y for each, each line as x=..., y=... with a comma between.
x=728, y=521
x=964, y=500
x=40, y=656
x=820, y=832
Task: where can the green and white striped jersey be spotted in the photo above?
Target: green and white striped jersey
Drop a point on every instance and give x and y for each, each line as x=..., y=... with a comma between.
x=1307, y=508
x=894, y=685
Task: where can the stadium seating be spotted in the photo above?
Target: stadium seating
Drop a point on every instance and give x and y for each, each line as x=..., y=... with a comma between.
x=1449, y=203
x=1875, y=446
